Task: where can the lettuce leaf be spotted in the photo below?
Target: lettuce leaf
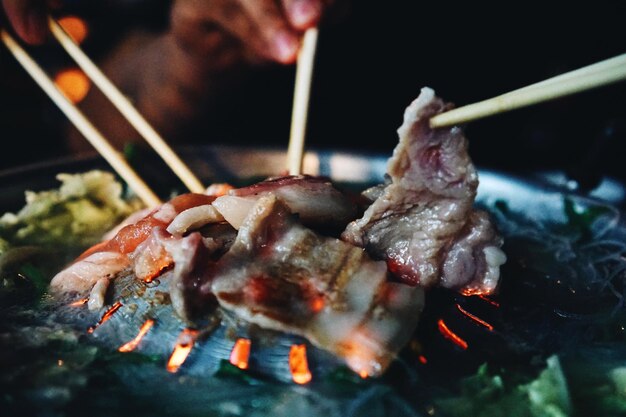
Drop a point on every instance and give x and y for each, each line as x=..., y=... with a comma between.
x=485, y=395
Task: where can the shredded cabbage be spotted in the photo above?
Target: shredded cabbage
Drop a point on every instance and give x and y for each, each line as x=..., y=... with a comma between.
x=84, y=207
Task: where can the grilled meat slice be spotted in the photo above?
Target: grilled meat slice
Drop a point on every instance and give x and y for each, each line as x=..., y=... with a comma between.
x=426, y=205
x=282, y=276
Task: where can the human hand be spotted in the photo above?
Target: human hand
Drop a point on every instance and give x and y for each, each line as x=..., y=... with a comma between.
x=265, y=30
x=28, y=19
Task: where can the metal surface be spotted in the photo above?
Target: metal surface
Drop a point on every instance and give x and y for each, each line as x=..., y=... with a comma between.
x=224, y=163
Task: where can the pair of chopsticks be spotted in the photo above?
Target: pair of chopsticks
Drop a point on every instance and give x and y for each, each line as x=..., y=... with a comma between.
x=102, y=145
x=586, y=78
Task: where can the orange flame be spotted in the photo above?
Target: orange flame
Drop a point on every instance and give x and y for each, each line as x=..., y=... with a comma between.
x=363, y=374
x=105, y=317
x=79, y=303
x=183, y=347
x=75, y=27
x=73, y=83
x=132, y=345
x=450, y=335
x=240, y=354
x=475, y=318
x=298, y=365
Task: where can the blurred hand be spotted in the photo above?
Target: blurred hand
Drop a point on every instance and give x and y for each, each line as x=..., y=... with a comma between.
x=178, y=76
x=28, y=18
x=265, y=30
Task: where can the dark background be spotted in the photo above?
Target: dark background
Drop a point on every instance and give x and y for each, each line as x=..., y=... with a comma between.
x=371, y=63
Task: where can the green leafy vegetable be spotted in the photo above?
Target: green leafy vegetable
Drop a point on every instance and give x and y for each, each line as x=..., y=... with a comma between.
x=54, y=226
x=485, y=395
x=581, y=218
x=77, y=214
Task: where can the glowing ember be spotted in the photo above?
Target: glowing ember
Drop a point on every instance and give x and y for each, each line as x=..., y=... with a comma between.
x=490, y=301
x=183, y=347
x=475, y=318
x=132, y=345
x=359, y=355
x=317, y=304
x=106, y=316
x=240, y=354
x=468, y=292
x=158, y=267
x=450, y=335
x=75, y=27
x=73, y=83
x=79, y=303
x=298, y=365
x=422, y=359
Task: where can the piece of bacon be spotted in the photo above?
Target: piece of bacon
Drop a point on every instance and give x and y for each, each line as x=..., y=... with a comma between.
x=110, y=257
x=82, y=276
x=316, y=200
x=130, y=236
x=283, y=276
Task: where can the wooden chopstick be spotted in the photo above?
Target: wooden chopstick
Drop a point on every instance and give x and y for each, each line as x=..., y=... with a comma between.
x=112, y=156
x=126, y=108
x=597, y=68
x=592, y=76
x=302, y=89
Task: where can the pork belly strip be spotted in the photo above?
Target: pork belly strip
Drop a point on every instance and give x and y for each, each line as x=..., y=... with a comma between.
x=132, y=246
x=282, y=276
x=81, y=276
x=426, y=205
x=314, y=199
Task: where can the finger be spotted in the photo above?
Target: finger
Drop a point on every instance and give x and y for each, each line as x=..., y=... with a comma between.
x=28, y=18
x=193, y=20
x=303, y=14
x=194, y=33
x=273, y=27
x=260, y=25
